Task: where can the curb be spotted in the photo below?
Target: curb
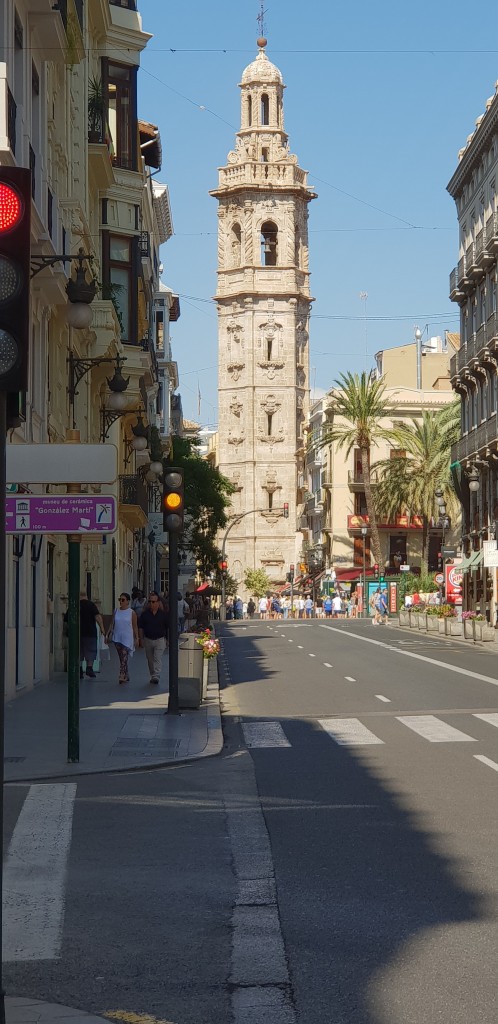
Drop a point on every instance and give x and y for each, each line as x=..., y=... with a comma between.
x=21, y=1010
x=214, y=746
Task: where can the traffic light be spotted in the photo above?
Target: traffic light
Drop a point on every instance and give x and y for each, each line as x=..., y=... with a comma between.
x=302, y=566
x=223, y=566
x=439, y=561
x=173, y=500
x=15, y=257
x=289, y=577
x=286, y=510
x=376, y=571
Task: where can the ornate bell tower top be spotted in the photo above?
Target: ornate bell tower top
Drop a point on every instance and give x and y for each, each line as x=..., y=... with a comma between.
x=261, y=156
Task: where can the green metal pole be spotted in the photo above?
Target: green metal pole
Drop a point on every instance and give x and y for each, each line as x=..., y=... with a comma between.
x=173, y=699
x=73, y=651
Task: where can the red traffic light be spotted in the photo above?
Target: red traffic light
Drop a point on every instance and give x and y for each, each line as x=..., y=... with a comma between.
x=223, y=566
x=11, y=207
x=286, y=510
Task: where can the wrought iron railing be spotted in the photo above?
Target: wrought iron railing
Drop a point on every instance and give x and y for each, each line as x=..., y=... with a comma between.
x=133, y=491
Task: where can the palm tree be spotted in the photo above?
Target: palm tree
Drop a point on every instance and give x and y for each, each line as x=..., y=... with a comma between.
x=408, y=484
x=361, y=402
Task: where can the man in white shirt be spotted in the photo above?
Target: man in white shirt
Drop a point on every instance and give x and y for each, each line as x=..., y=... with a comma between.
x=263, y=607
x=336, y=606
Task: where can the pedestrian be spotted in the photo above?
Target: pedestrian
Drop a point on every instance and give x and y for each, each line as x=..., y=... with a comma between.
x=336, y=605
x=138, y=601
x=381, y=606
x=123, y=632
x=91, y=626
x=183, y=611
x=327, y=606
x=203, y=616
x=152, y=630
x=372, y=604
x=263, y=607
x=300, y=607
x=308, y=607
x=238, y=608
x=251, y=607
x=286, y=607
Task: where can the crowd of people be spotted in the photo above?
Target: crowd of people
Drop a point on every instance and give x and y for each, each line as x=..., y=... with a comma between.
x=338, y=604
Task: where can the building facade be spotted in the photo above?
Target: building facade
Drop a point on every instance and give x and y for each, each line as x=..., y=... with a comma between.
x=335, y=507
x=263, y=300
x=68, y=111
x=474, y=286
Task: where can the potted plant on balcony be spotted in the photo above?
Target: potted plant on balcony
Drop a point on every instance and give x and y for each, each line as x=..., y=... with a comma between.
x=96, y=110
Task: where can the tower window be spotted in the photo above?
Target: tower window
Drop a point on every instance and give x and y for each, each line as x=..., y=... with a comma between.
x=269, y=343
x=265, y=109
x=236, y=245
x=269, y=234
x=264, y=155
x=249, y=110
x=270, y=500
x=270, y=421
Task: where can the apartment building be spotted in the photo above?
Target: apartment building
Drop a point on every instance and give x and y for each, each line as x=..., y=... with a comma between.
x=68, y=111
x=336, y=530
x=473, y=285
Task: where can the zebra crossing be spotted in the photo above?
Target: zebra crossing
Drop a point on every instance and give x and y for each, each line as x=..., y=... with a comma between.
x=352, y=732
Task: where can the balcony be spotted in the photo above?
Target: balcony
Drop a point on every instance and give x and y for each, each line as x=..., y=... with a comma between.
x=133, y=501
x=475, y=443
x=491, y=229
x=474, y=269
x=456, y=291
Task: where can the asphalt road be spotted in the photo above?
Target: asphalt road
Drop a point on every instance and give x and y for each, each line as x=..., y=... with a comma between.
x=336, y=865
x=382, y=819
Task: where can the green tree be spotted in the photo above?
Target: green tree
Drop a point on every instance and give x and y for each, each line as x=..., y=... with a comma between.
x=207, y=499
x=408, y=484
x=360, y=401
x=257, y=582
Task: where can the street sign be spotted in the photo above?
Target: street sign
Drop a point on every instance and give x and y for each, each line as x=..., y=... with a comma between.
x=62, y=463
x=404, y=568
x=490, y=553
x=448, y=552
x=439, y=578
x=60, y=513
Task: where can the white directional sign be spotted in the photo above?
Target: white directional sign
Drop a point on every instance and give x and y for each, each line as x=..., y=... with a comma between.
x=490, y=552
x=62, y=463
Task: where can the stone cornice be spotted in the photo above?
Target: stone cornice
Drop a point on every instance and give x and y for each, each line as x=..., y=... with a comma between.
x=475, y=149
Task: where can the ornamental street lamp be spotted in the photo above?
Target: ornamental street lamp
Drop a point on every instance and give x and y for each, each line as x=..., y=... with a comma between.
x=364, y=535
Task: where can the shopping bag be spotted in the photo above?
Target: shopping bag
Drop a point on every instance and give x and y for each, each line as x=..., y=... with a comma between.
x=105, y=653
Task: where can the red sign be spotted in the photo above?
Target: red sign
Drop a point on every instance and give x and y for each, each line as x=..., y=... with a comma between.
x=401, y=522
x=393, y=597
x=454, y=583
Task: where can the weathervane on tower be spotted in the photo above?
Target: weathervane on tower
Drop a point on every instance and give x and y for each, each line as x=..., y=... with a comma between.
x=261, y=22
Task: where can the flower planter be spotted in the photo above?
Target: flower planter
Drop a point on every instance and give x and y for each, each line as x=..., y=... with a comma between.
x=413, y=620
x=432, y=624
x=441, y=625
x=205, y=672
x=468, y=629
x=454, y=627
x=404, y=617
x=484, y=632
x=422, y=621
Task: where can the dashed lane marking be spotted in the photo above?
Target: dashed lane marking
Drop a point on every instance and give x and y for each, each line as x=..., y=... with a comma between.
x=380, y=696
x=327, y=664
x=264, y=734
x=490, y=719
x=311, y=655
x=350, y=679
x=487, y=760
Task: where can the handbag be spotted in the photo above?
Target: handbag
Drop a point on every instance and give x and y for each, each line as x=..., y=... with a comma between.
x=105, y=653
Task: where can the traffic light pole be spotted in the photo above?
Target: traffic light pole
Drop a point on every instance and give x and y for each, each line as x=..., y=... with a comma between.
x=173, y=624
x=3, y=567
x=236, y=520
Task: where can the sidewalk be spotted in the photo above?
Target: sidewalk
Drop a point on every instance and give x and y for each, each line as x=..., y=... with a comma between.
x=120, y=726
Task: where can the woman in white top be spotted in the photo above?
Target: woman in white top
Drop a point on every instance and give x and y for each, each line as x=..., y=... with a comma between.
x=124, y=634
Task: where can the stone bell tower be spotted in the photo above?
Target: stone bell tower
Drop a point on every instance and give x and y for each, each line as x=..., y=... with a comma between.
x=263, y=302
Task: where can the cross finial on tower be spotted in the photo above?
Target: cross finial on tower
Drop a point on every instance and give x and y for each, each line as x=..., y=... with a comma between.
x=261, y=23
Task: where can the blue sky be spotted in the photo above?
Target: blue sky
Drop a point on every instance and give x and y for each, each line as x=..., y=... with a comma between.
x=379, y=99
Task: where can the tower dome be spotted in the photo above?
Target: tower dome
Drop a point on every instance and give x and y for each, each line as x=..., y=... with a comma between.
x=262, y=71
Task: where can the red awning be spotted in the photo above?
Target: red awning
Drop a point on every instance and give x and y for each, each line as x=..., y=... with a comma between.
x=203, y=586
x=348, y=574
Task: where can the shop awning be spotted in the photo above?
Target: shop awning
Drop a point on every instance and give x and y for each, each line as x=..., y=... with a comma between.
x=472, y=562
x=203, y=586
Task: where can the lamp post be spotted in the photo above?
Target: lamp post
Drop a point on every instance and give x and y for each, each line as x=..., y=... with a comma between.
x=443, y=522
x=364, y=534
x=418, y=341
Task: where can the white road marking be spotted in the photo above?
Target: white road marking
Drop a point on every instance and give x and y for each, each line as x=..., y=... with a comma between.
x=311, y=655
x=35, y=874
x=385, y=699
x=487, y=760
x=327, y=664
x=490, y=719
x=290, y=641
x=434, y=730
x=411, y=654
x=264, y=734
x=350, y=679
x=300, y=646
x=349, y=732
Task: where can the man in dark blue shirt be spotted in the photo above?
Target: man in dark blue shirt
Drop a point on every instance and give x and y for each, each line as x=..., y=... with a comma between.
x=152, y=630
